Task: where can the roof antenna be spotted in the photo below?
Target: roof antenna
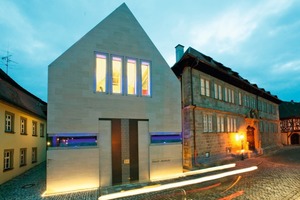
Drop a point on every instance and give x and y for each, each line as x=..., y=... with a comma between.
x=7, y=61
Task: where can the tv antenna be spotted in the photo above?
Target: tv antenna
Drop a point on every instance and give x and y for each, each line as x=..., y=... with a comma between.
x=7, y=60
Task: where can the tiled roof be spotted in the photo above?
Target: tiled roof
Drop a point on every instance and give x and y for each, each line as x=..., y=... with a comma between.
x=12, y=93
x=206, y=64
x=289, y=110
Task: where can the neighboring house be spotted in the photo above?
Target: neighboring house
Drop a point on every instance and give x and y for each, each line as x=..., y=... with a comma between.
x=289, y=113
x=223, y=114
x=22, y=129
x=114, y=110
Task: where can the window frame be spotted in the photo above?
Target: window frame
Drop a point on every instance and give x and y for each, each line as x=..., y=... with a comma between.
x=23, y=157
x=149, y=94
x=42, y=130
x=23, y=130
x=11, y=124
x=34, y=128
x=8, y=161
x=34, y=155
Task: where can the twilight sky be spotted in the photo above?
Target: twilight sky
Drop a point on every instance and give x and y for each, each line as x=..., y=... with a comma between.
x=259, y=39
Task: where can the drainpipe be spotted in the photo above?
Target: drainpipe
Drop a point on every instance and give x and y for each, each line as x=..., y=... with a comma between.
x=194, y=115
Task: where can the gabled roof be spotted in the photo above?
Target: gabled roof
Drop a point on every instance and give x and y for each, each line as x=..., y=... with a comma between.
x=289, y=110
x=206, y=64
x=12, y=93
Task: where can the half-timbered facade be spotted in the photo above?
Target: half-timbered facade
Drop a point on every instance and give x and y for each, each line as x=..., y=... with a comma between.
x=290, y=122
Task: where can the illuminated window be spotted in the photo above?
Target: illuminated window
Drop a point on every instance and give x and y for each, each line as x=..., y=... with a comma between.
x=101, y=72
x=231, y=124
x=23, y=126
x=131, y=76
x=34, y=155
x=8, y=159
x=145, y=69
x=165, y=138
x=22, y=157
x=117, y=75
x=72, y=140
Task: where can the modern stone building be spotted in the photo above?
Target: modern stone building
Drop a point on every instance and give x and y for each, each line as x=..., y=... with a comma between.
x=114, y=110
x=223, y=114
x=22, y=129
x=289, y=113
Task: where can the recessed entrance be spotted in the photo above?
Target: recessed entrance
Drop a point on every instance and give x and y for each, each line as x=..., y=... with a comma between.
x=295, y=139
x=250, y=138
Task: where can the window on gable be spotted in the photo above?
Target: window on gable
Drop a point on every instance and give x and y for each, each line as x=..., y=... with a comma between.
x=145, y=70
x=101, y=65
x=117, y=75
x=131, y=76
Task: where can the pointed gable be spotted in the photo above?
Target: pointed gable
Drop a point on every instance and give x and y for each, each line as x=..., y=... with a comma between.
x=119, y=32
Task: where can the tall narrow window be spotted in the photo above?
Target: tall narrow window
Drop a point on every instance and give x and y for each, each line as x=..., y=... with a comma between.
x=22, y=157
x=9, y=122
x=202, y=86
x=101, y=64
x=145, y=70
x=34, y=131
x=34, y=155
x=42, y=130
x=131, y=76
x=23, y=126
x=117, y=75
x=8, y=159
x=205, y=129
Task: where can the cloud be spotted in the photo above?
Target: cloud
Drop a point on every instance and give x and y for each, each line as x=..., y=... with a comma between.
x=230, y=28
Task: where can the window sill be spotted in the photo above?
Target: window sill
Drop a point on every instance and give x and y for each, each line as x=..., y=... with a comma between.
x=34, y=135
x=23, y=134
x=34, y=162
x=5, y=170
x=10, y=132
x=23, y=165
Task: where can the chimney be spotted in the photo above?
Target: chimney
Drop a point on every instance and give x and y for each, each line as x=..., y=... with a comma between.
x=179, y=52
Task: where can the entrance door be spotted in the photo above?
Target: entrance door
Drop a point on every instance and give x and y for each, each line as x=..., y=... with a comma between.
x=295, y=138
x=250, y=138
x=125, y=153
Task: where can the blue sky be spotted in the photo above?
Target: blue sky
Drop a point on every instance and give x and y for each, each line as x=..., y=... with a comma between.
x=259, y=39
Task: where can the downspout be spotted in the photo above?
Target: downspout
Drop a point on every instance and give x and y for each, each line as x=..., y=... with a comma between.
x=194, y=115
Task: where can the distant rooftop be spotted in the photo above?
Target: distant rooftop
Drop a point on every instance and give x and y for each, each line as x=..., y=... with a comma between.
x=12, y=93
x=289, y=110
x=206, y=64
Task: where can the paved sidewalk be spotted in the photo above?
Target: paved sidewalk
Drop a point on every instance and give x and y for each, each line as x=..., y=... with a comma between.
x=278, y=177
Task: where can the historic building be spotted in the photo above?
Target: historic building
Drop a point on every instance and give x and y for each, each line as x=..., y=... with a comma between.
x=22, y=129
x=223, y=114
x=289, y=113
x=114, y=110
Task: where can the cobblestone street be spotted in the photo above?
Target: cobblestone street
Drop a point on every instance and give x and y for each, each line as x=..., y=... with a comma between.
x=277, y=177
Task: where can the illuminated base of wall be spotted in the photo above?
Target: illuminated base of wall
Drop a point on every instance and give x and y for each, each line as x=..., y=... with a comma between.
x=53, y=193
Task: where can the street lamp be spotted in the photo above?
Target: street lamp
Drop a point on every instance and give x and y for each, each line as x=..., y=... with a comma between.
x=242, y=145
x=240, y=137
